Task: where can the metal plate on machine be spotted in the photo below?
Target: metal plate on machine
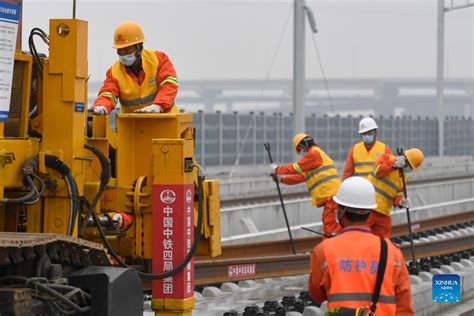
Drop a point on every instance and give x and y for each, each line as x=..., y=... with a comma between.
x=79, y=107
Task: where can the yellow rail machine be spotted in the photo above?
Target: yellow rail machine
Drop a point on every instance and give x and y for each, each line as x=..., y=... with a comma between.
x=81, y=204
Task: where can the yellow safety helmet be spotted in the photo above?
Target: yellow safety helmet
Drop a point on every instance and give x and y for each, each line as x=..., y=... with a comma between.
x=127, y=34
x=415, y=157
x=297, y=140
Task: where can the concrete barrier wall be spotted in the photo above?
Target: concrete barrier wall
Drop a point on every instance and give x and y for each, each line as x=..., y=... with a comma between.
x=251, y=222
x=254, y=181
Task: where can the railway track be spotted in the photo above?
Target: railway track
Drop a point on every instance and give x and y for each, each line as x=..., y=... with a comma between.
x=274, y=258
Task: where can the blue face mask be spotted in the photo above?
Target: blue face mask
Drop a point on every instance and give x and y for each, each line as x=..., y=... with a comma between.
x=407, y=169
x=128, y=60
x=368, y=139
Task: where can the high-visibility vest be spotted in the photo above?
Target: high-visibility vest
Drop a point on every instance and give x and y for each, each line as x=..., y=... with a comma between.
x=363, y=160
x=323, y=181
x=386, y=189
x=134, y=96
x=353, y=271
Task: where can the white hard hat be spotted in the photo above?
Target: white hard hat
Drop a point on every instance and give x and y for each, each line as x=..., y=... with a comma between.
x=367, y=124
x=356, y=192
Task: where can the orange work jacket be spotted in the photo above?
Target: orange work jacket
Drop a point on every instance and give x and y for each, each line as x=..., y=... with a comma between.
x=345, y=275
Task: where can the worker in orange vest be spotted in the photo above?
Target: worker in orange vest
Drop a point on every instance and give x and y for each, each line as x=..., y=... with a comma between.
x=348, y=269
x=317, y=169
x=362, y=156
x=386, y=178
x=143, y=80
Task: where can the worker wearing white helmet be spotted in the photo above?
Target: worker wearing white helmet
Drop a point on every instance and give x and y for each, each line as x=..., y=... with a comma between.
x=364, y=154
x=345, y=269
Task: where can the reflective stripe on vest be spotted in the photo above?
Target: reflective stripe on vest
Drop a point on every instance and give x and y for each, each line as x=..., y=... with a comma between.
x=384, y=194
x=360, y=164
x=363, y=160
x=361, y=174
x=138, y=101
x=386, y=188
x=320, y=169
x=352, y=264
x=133, y=96
x=389, y=183
x=323, y=181
x=341, y=297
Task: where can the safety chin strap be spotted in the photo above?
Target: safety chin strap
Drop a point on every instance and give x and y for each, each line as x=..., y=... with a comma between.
x=138, y=64
x=380, y=275
x=339, y=213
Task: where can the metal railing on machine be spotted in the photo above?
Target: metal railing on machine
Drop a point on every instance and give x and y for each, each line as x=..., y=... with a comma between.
x=220, y=137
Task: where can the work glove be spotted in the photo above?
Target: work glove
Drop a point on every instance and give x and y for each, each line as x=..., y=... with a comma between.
x=275, y=177
x=405, y=203
x=154, y=108
x=98, y=110
x=273, y=167
x=400, y=162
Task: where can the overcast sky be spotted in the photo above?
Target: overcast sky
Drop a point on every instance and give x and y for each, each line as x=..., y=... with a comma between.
x=230, y=39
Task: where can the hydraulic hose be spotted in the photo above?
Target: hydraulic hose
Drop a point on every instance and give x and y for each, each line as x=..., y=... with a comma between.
x=160, y=276
x=31, y=166
x=31, y=195
x=39, y=192
x=34, y=194
x=104, y=180
x=55, y=163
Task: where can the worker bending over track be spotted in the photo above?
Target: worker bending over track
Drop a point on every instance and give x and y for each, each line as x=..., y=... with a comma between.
x=362, y=156
x=142, y=80
x=386, y=178
x=317, y=169
x=356, y=272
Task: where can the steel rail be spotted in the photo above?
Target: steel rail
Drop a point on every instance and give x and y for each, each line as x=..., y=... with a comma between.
x=306, y=244
x=274, y=259
x=218, y=271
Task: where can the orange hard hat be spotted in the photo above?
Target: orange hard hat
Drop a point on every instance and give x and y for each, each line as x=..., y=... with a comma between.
x=297, y=140
x=415, y=157
x=127, y=34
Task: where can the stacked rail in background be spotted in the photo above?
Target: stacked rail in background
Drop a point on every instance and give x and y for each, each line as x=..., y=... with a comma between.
x=226, y=138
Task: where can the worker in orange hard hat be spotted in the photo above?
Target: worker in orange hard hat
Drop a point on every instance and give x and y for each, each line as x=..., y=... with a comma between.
x=317, y=169
x=142, y=80
x=362, y=156
x=386, y=178
x=347, y=270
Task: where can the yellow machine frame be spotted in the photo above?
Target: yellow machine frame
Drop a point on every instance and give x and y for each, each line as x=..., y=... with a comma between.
x=139, y=157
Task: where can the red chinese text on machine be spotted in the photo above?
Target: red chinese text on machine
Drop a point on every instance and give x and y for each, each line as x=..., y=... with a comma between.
x=173, y=231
